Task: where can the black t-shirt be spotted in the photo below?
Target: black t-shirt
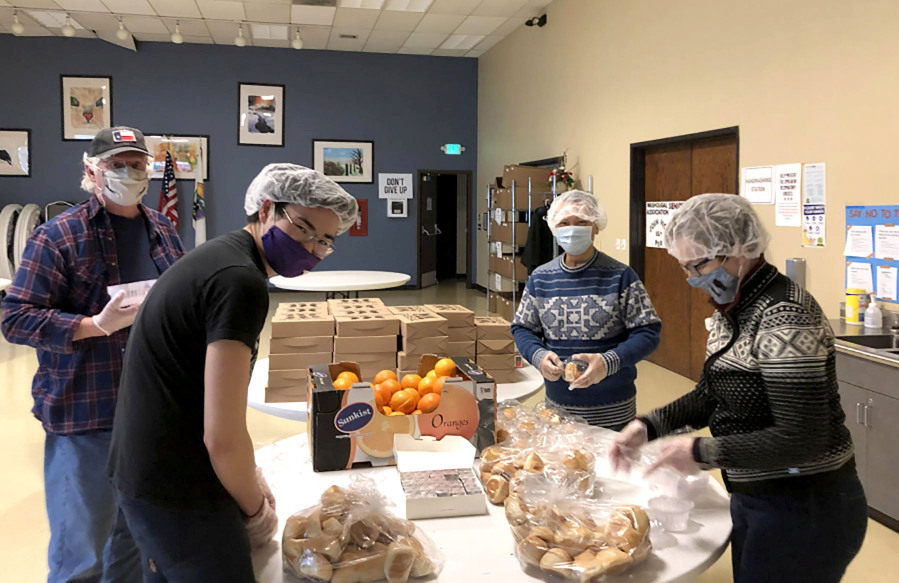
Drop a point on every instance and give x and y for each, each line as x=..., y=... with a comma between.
x=132, y=246
x=216, y=292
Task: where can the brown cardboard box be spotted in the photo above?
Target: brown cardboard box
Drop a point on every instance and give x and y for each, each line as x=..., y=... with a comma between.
x=456, y=316
x=297, y=361
x=491, y=303
x=297, y=344
x=291, y=394
x=287, y=378
x=401, y=373
x=359, y=344
x=497, y=362
x=355, y=303
x=503, y=232
x=354, y=311
x=371, y=363
x=504, y=346
x=432, y=345
x=422, y=325
x=293, y=325
x=464, y=348
x=539, y=177
x=507, y=268
x=371, y=325
x=498, y=283
x=408, y=309
x=462, y=334
x=492, y=328
x=502, y=197
x=303, y=306
x=505, y=309
x=408, y=361
x=512, y=375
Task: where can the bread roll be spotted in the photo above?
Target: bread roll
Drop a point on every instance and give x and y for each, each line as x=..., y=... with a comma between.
x=556, y=561
x=543, y=532
x=532, y=549
x=359, y=566
x=316, y=566
x=497, y=488
x=364, y=534
x=574, y=538
x=399, y=563
x=516, y=512
x=533, y=463
x=332, y=527
x=614, y=560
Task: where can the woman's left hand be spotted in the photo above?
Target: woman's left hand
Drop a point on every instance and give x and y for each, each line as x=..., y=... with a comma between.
x=677, y=454
x=596, y=371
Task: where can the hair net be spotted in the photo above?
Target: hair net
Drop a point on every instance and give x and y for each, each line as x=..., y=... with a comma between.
x=295, y=184
x=578, y=203
x=709, y=225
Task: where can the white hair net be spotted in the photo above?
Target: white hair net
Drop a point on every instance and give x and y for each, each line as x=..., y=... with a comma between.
x=295, y=184
x=709, y=225
x=578, y=203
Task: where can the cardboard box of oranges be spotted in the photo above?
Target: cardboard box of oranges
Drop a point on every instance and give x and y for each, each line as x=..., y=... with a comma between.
x=352, y=419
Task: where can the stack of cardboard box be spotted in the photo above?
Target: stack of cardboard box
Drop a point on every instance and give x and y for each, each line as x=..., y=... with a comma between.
x=302, y=336
x=460, y=328
x=495, y=348
x=366, y=334
x=422, y=332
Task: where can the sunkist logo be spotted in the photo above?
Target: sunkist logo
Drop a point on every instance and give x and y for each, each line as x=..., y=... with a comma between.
x=353, y=417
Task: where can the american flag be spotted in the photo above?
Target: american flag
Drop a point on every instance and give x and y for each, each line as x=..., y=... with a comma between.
x=199, y=214
x=168, y=198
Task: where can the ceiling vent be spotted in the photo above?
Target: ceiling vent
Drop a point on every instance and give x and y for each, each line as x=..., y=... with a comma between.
x=349, y=36
x=328, y=3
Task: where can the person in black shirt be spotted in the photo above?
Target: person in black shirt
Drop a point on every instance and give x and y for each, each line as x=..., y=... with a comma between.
x=181, y=459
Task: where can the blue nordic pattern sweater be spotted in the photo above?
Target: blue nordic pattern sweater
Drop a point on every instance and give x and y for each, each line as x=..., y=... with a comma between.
x=599, y=307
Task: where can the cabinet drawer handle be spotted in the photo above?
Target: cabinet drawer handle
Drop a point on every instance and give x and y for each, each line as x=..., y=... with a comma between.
x=866, y=415
x=858, y=413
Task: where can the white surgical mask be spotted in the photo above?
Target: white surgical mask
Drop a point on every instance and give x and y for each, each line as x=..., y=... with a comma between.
x=125, y=186
x=576, y=239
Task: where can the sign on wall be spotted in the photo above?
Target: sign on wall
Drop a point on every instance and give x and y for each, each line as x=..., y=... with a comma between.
x=814, y=205
x=788, y=195
x=758, y=184
x=658, y=215
x=395, y=185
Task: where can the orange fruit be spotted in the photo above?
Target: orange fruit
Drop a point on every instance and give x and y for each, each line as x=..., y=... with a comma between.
x=386, y=410
x=382, y=395
x=432, y=373
x=410, y=381
x=416, y=412
x=445, y=367
x=426, y=385
x=434, y=387
x=377, y=441
x=384, y=375
x=350, y=375
x=392, y=385
x=343, y=383
x=396, y=413
x=429, y=402
x=403, y=401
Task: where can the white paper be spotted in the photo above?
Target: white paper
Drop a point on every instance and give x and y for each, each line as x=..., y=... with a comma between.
x=788, y=195
x=135, y=292
x=859, y=242
x=887, y=242
x=758, y=184
x=658, y=215
x=813, y=224
x=498, y=215
x=859, y=276
x=886, y=282
x=815, y=185
x=394, y=186
x=499, y=281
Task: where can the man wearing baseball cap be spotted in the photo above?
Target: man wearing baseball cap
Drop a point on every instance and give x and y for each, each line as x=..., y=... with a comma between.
x=60, y=304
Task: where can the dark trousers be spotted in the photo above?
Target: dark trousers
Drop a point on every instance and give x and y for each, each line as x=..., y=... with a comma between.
x=809, y=536
x=189, y=546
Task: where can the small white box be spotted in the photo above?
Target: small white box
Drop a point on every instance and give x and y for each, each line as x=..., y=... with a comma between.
x=437, y=476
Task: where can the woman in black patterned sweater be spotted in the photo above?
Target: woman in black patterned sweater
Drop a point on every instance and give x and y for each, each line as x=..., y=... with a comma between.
x=768, y=394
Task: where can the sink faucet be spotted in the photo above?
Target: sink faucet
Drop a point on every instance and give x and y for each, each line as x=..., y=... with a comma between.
x=894, y=332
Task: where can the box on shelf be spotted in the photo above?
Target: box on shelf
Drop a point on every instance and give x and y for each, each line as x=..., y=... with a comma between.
x=355, y=303
x=371, y=363
x=407, y=309
x=491, y=303
x=294, y=344
x=297, y=360
x=294, y=325
x=492, y=328
x=506, y=267
x=506, y=375
x=437, y=477
x=425, y=324
x=360, y=344
x=347, y=430
x=498, y=283
x=503, y=232
x=490, y=347
x=462, y=334
x=287, y=378
x=464, y=348
x=290, y=394
x=505, y=308
x=502, y=197
x=302, y=308
x=385, y=324
x=456, y=316
x=432, y=345
x=407, y=361
x=539, y=177
x=496, y=362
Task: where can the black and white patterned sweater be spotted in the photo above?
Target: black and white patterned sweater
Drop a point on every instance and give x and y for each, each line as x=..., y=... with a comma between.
x=768, y=392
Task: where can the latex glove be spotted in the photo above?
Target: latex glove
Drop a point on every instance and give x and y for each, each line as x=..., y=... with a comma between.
x=596, y=371
x=677, y=454
x=263, y=485
x=113, y=317
x=626, y=445
x=551, y=366
x=262, y=526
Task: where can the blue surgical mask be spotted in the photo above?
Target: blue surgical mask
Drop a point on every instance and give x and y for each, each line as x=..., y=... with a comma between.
x=576, y=239
x=719, y=284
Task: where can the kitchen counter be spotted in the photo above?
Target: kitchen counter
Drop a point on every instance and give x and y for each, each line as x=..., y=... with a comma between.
x=841, y=328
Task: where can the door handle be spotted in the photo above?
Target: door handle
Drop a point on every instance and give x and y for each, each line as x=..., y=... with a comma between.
x=866, y=414
x=424, y=231
x=858, y=413
x=437, y=230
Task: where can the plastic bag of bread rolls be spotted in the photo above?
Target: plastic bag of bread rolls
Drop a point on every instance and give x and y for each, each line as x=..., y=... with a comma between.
x=351, y=537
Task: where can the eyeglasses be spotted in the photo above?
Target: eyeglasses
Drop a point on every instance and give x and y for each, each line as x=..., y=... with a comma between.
x=694, y=269
x=119, y=164
x=323, y=247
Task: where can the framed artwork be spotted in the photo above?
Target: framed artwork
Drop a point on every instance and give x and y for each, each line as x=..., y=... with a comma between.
x=397, y=208
x=86, y=106
x=187, y=152
x=344, y=160
x=15, y=152
x=260, y=115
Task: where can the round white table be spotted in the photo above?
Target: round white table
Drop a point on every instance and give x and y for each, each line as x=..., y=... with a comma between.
x=481, y=548
x=334, y=283
x=529, y=381
x=5, y=284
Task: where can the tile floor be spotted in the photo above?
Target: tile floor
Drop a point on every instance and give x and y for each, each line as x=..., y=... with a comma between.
x=24, y=532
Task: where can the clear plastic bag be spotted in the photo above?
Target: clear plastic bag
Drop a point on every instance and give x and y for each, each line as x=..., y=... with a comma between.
x=573, y=368
x=351, y=536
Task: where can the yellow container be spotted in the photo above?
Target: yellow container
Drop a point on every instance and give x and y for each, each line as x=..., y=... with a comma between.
x=856, y=304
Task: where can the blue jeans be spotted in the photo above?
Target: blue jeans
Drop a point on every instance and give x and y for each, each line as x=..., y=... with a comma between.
x=89, y=540
x=189, y=545
x=809, y=536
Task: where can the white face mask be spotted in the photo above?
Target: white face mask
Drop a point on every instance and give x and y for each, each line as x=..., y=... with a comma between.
x=575, y=239
x=125, y=186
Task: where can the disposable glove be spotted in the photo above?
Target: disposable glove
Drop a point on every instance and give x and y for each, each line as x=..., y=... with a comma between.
x=113, y=317
x=677, y=454
x=596, y=371
x=626, y=445
x=263, y=525
x=551, y=366
x=263, y=485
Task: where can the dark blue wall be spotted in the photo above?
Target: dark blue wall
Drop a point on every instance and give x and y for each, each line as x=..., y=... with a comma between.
x=408, y=105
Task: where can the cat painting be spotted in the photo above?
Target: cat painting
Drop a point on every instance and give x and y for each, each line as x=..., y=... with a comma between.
x=87, y=106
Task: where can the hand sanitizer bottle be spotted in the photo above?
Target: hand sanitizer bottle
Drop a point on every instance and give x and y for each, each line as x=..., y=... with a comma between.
x=873, y=315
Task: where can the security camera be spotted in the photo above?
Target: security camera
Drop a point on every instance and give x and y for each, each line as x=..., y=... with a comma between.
x=536, y=21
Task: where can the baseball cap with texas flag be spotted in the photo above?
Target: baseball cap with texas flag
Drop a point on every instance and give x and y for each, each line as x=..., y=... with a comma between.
x=111, y=141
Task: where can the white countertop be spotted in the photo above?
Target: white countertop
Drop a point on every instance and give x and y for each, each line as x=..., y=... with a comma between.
x=341, y=281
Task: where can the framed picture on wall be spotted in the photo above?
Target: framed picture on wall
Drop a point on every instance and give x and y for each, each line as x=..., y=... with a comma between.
x=188, y=152
x=260, y=115
x=15, y=152
x=86, y=106
x=397, y=208
x=344, y=160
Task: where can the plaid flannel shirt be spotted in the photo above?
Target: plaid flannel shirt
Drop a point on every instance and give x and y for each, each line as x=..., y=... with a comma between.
x=65, y=270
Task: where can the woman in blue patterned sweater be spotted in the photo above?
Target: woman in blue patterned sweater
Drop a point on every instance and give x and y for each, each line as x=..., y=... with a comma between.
x=586, y=305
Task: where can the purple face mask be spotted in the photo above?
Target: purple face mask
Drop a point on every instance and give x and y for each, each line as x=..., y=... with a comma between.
x=287, y=257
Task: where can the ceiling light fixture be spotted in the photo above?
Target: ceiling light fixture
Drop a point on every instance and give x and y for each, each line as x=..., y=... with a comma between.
x=67, y=29
x=176, y=36
x=121, y=33
x=539, y=21
x=297, y=42
x=240, y=40
x=17, y=27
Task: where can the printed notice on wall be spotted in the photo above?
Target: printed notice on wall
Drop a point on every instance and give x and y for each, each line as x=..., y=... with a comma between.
x=658, y=215
x=788, y=195
x=394, y=186
x=859, y=241
x=758, y=184
x=814, y=200
x=887, y=237
x=886, y=282
x=859, y=276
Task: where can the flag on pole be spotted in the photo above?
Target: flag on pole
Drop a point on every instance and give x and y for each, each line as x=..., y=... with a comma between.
x=199, y=213
x=168, y=198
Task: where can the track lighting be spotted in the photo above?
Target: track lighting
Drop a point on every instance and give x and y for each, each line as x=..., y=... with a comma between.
x=17, y=27
x=121, y=33
x=176, y=36
x=67, y=29
x=297, y=42
x=538, y=21
x=240, y=40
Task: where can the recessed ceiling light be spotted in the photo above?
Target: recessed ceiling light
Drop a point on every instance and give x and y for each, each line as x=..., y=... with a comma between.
x=408, y=5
